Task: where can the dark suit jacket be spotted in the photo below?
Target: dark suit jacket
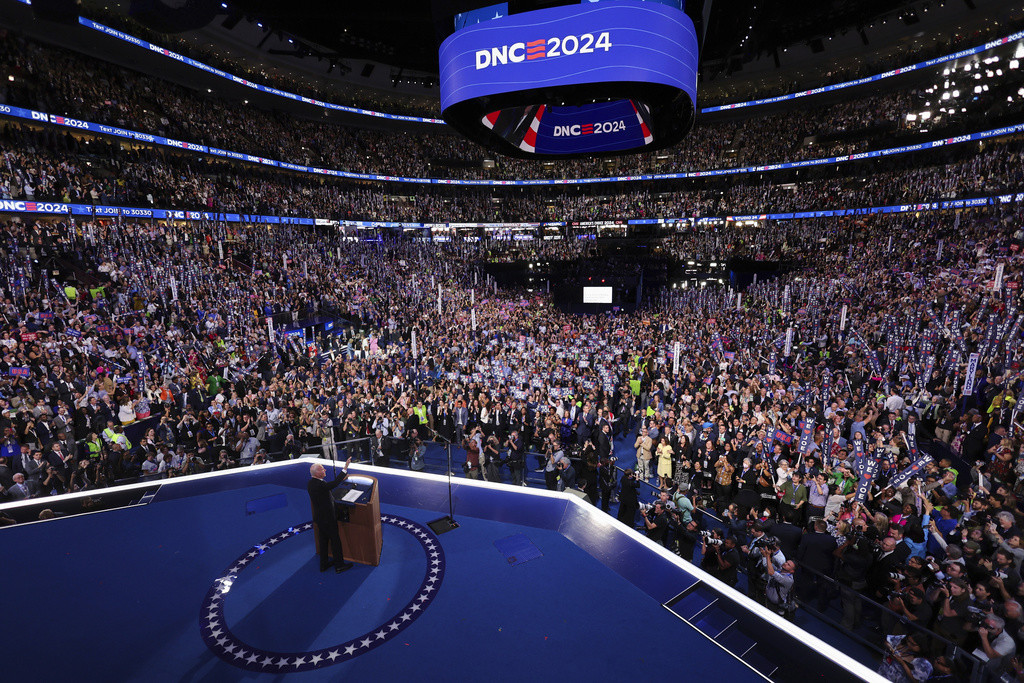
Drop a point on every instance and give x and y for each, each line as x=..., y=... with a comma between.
x=628, y=493
x=974, y=443
x=815, y=551
x=881, y=568
x=320, y=497
x=789, y=537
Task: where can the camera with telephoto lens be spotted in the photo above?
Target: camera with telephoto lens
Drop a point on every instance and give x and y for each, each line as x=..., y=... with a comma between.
x=711, y=538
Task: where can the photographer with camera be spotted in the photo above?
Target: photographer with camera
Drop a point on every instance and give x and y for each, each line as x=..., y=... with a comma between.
x=721, y=558
x=554, y=455
x=758, y=561
x=855, y=557
x=888, y=565
x=953, y=597
x=909, y=605
x=779, y=596
x=656, y=522
x=491, y=459
x=566, y=472
x=997, y=647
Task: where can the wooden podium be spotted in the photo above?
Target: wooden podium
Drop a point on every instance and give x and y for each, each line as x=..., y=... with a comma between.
x=361, y=536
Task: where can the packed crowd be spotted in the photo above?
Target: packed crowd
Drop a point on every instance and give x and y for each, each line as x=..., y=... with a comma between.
x=56, y=81
x=162, y=327
x=47, y=165
x=938, y=550
x=799, y=410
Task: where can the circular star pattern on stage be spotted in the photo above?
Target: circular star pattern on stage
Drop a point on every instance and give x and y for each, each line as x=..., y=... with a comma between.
x=219, y=638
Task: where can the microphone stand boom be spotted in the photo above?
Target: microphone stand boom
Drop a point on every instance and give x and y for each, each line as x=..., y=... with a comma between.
x=448, y=523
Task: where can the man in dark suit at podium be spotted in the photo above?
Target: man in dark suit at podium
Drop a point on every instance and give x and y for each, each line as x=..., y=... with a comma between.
x=325, y=516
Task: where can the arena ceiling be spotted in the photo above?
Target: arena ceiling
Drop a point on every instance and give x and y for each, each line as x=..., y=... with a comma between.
x=404, y=33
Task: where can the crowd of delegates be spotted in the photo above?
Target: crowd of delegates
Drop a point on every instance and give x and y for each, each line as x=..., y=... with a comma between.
x=46, y=165
x=61, y=82
x=870, y=338
x=941, y=551
x=162, y=327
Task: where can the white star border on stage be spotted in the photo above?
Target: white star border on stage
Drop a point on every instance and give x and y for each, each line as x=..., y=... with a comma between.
x=219, y=638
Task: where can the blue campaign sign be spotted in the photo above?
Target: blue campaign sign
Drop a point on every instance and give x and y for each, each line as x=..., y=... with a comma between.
x=604, y=42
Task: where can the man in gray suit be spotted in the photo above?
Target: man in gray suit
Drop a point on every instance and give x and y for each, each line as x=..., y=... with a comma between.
x=21, y=489
x=461, y=420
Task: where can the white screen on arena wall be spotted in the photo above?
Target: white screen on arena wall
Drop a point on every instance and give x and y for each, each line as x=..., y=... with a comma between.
x=597, y=295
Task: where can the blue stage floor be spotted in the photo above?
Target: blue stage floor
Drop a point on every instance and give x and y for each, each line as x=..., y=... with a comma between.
x=125, y=595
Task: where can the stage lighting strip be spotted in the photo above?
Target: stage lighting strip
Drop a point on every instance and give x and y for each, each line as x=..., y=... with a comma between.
x=127, y=134
x=224, y=644
x=128, y=38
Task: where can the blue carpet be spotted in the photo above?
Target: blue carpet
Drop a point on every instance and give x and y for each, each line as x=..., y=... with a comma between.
x=126, y=588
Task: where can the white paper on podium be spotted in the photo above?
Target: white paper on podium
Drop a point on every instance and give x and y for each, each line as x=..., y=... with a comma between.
x=352, y=496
